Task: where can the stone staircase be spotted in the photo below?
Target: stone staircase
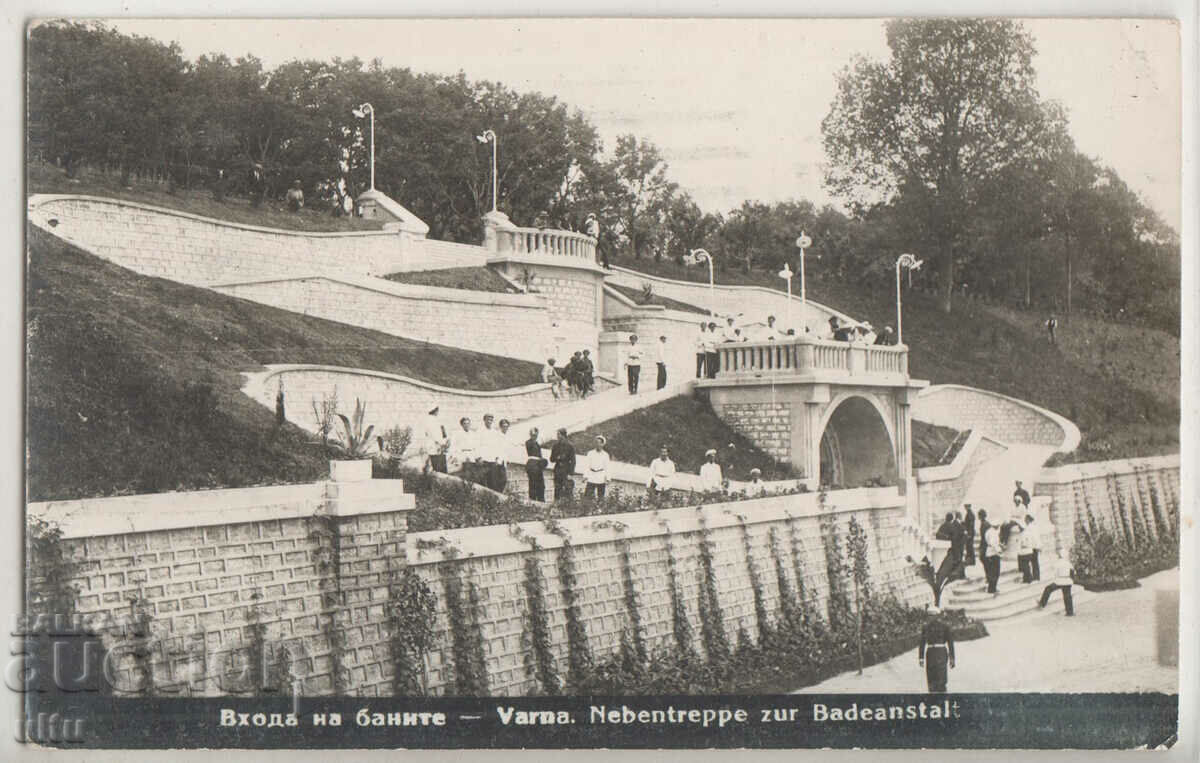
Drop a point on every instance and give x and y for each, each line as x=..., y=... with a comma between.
x=1012, y=597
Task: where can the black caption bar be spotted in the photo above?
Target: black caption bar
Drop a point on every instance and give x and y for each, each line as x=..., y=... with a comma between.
x=973, y=721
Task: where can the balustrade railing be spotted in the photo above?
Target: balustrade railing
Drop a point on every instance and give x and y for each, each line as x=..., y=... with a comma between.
x=797, y=356
x=558, y=243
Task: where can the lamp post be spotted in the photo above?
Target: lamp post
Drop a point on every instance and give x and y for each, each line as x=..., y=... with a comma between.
x=787, y=274
x=803, y=242
x=910, y=262
x=363, y=111
x=489, y=135
x=702, y=254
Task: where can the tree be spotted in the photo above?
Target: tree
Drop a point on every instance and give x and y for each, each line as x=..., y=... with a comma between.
x=687, y=227
x=954, y=105
x=645, y=192
x=748, y=232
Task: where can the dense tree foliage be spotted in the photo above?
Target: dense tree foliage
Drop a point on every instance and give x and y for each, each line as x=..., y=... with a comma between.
x=944, y=150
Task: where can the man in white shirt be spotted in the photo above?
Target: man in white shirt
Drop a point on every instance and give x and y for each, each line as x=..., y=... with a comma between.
x=701, y=349
x=466, y=450
x=727, y=334
x=1062, y=582
x=756, y=487
x=1034, y=530
x=491, y=453
x=711, y=479
x=435, y=442
x=1025, y=551
x=771, y=332
x=991, y=558
x=662, y=472
x=633, y=363
x=660, y=360
x=711, y=358
x=551, y=376
x=596, y=469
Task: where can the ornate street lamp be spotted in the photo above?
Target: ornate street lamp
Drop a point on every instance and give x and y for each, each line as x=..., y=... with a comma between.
x=362, y=111
x=803, y=242
x=910, y=262
x=702, y=254
x=489, y=135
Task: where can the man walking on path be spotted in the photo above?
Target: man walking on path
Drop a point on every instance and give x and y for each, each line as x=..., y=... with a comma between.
x=660, y=359
x=535, y=465
x=991, y=557
x=701, y=344
x=1051, y=326
x=935, y=651
x=662, y=473
x=596, y=465
x=562, y=455
x=1062, y=582
x=633, y=363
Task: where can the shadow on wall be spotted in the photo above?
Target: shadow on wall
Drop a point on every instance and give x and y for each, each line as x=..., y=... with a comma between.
x=856, y=449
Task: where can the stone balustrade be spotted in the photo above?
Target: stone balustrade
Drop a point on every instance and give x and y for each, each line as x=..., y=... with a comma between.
x=811, y=356
x=559, y=243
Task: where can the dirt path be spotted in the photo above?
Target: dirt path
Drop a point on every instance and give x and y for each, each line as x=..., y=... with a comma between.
x=1109, y=646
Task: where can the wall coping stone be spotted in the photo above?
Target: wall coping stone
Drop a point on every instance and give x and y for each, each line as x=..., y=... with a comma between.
x=546, y=260
x=660, y=311
x=1057, y=475
x=498, y=540
x=274, y=369
x=392, y=288
x=149, y=512
x=39, y=199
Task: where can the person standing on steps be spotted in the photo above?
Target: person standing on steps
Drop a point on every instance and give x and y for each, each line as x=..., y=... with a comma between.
x=701, y=344
x=1033, y=529
x=969, y=526
x=633, y=363
x=535, y=467
x=1025, y=550
x=596, y=465
x=984, y=524
x=711, y=359
x=1062, y=582
x=592, y=226
x=660, y=360
x=991, y=557
x=562, y=455
x=936, y=651
x=951, y=566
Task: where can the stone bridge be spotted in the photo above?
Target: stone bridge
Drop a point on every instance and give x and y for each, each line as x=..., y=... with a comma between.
x=839, y=412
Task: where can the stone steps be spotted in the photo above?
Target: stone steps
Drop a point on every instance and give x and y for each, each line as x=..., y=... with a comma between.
x=1012, y=597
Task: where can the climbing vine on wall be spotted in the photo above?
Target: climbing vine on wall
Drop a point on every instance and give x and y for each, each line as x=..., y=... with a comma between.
x=325, y=533
x=470, y=678
x=579, y=655
x=838, y=601
x=681, y=627
x=411, y=609
x=760, y=604
x=634, y=645
x=789, y=602
x=539, y=659
x=712, y=621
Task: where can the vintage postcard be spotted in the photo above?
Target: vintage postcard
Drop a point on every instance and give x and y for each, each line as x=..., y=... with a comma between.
x=602, y=383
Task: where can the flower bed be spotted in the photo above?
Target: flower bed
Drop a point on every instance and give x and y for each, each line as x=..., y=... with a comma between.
x=1113, y=556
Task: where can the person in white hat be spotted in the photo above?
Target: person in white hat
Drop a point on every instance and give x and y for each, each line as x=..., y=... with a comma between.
x=592, y=226
x=662, y=473
x=935, y=651
x=756, y=486
x=596, y=465
x=711, y=479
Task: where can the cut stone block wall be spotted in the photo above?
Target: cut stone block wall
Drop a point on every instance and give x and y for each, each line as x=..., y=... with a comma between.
x=200, y=251
x=309, y=563
x=513, y=325
x=391, y=400
x=997, y=416
x=942, y=488
x=1145, y=485
x=492, y=562
x=767, y=425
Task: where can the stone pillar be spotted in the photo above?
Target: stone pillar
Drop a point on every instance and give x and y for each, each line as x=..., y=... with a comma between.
x=806, y=433
x=493, y=223
x=902, y=424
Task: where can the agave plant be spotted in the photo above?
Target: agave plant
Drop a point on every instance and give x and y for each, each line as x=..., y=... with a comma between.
x=647, y=293
x=356, y=439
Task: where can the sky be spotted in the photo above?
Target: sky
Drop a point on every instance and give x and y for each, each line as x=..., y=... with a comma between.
x=735, y=105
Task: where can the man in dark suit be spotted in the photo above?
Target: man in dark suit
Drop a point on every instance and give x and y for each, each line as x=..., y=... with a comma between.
x=562, y=455
x=969, y=526
x=936, y=651
x=951, y=567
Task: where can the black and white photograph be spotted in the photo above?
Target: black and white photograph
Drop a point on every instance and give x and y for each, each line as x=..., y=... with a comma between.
x=604, y=383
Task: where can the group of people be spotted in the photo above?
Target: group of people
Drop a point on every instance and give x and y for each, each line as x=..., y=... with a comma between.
x=662, y=477
x=575, y=379
x=637, y=354
x=861, y=333
x=711, y=336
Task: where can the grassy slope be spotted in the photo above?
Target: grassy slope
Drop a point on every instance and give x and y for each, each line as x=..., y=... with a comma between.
x=1118, y=383
x=133, y=381
x=470, y=278
x=667, y=302
x=272, y=213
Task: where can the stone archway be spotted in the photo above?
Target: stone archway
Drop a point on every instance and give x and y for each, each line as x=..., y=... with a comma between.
x=856, y=448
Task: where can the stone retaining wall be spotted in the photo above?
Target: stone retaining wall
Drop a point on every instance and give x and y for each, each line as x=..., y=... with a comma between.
x=997, y=416
x=513, y=325
x=492, y=562
x=1144, y=485
x=942, y=488
x=308, y=563
x=767, y=425
x=391, y=400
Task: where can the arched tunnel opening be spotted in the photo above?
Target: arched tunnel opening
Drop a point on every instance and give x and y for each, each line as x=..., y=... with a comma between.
x=856, y=449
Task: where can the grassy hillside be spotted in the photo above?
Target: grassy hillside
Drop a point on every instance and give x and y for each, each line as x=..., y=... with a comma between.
x=1119, y=383
x=470, y=278
x=657, y=299
x=133, y=382
x=272, y=213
